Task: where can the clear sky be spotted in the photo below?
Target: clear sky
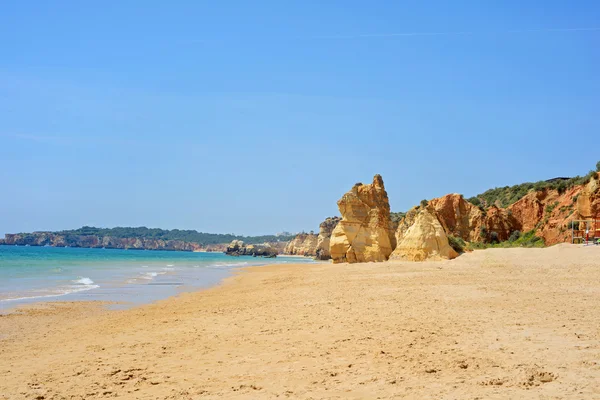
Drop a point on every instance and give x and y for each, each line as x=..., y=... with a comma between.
x=254, y=117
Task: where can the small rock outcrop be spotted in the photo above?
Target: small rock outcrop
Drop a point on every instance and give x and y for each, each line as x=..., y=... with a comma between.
x=424, y=240
x=238, y=248
x=323, y=240
x=304, y=244
x=365, y=233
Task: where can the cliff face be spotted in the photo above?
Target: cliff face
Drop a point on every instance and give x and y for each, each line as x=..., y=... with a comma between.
x=365, y=232
x=304, y=244
x=323, y=241
x=57, y=240
x=547, y=212
x=458, y=217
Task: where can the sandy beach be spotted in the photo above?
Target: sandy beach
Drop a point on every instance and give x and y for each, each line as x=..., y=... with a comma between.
x=492, y=324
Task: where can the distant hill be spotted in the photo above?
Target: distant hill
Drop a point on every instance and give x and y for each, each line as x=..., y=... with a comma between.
x=141, y=238
x=174, y=234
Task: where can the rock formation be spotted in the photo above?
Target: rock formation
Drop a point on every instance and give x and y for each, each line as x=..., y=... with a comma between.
x=424, y=240
x=238, y=248
x=458, y=217
x=406, y=222
x=323, y=241
x=304, y=244
x=364, y=234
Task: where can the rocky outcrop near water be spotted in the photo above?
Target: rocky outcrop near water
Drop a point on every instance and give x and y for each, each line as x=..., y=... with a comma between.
x=365, y=232
x=238, y=248
x=90, y=241
x=425, y=239
x=324, y=238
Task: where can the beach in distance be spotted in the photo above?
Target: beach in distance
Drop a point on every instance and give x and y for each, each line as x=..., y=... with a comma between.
x=491, y=324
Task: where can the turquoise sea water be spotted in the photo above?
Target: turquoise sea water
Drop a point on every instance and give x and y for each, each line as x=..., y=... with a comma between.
x=29, y=274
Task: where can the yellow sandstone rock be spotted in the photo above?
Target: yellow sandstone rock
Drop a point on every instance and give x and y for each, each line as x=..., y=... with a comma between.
x=365, y=233
x=304, y=244
x=424, y=240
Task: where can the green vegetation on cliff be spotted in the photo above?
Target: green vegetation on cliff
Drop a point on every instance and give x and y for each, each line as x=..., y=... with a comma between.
x=528, y=239
x=396, y=217
x=507, y=195
x=173, y=234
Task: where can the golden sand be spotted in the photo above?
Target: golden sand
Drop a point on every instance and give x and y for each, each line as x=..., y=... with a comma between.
x=493, y=324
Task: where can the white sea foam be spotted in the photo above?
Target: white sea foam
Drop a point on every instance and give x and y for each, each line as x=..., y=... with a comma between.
x=82, y=284
x=226, y=265
x=84, y=281
x=151, y=275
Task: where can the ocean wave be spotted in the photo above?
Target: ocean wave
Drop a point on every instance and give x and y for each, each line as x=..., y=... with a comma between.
x=82, y=280
x=146, y=276
x=81, y=285
x=227, y=265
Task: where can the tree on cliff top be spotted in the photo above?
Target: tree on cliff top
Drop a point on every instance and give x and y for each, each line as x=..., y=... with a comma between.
x=598, y=166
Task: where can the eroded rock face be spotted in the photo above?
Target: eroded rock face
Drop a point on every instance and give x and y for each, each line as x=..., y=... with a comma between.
x=529, y=210
x=458, y=217
x=464, y=220
x=304, y=244
x=365, y=233
x=324, y=239
x=424, y=240
x=588, y=202
x=406, y=222
x=548, y=213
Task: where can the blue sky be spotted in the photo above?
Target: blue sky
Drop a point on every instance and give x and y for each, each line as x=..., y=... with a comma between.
x=255, y=117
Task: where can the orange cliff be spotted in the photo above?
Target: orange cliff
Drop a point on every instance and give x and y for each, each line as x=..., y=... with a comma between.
x=547, y=212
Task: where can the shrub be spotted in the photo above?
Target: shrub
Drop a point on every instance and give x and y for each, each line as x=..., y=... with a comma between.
x=551, y=207
x=514, y=236
x=397, y=216
x=424, y=203
x=562, y=187
x=494, y=237
x=475, y=201
x=598, y=166
x=457, y=243
x=483, y=231
x=591, y=175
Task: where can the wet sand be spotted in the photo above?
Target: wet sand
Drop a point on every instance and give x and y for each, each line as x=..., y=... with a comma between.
x=493, y=324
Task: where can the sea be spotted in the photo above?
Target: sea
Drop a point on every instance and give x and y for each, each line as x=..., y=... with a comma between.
x=126, y=277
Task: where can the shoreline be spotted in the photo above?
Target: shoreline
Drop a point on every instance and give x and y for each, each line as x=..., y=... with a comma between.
x=470, y=327
x=117, y=276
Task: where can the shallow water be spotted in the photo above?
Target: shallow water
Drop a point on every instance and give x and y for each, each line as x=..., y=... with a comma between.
x=30, y=274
